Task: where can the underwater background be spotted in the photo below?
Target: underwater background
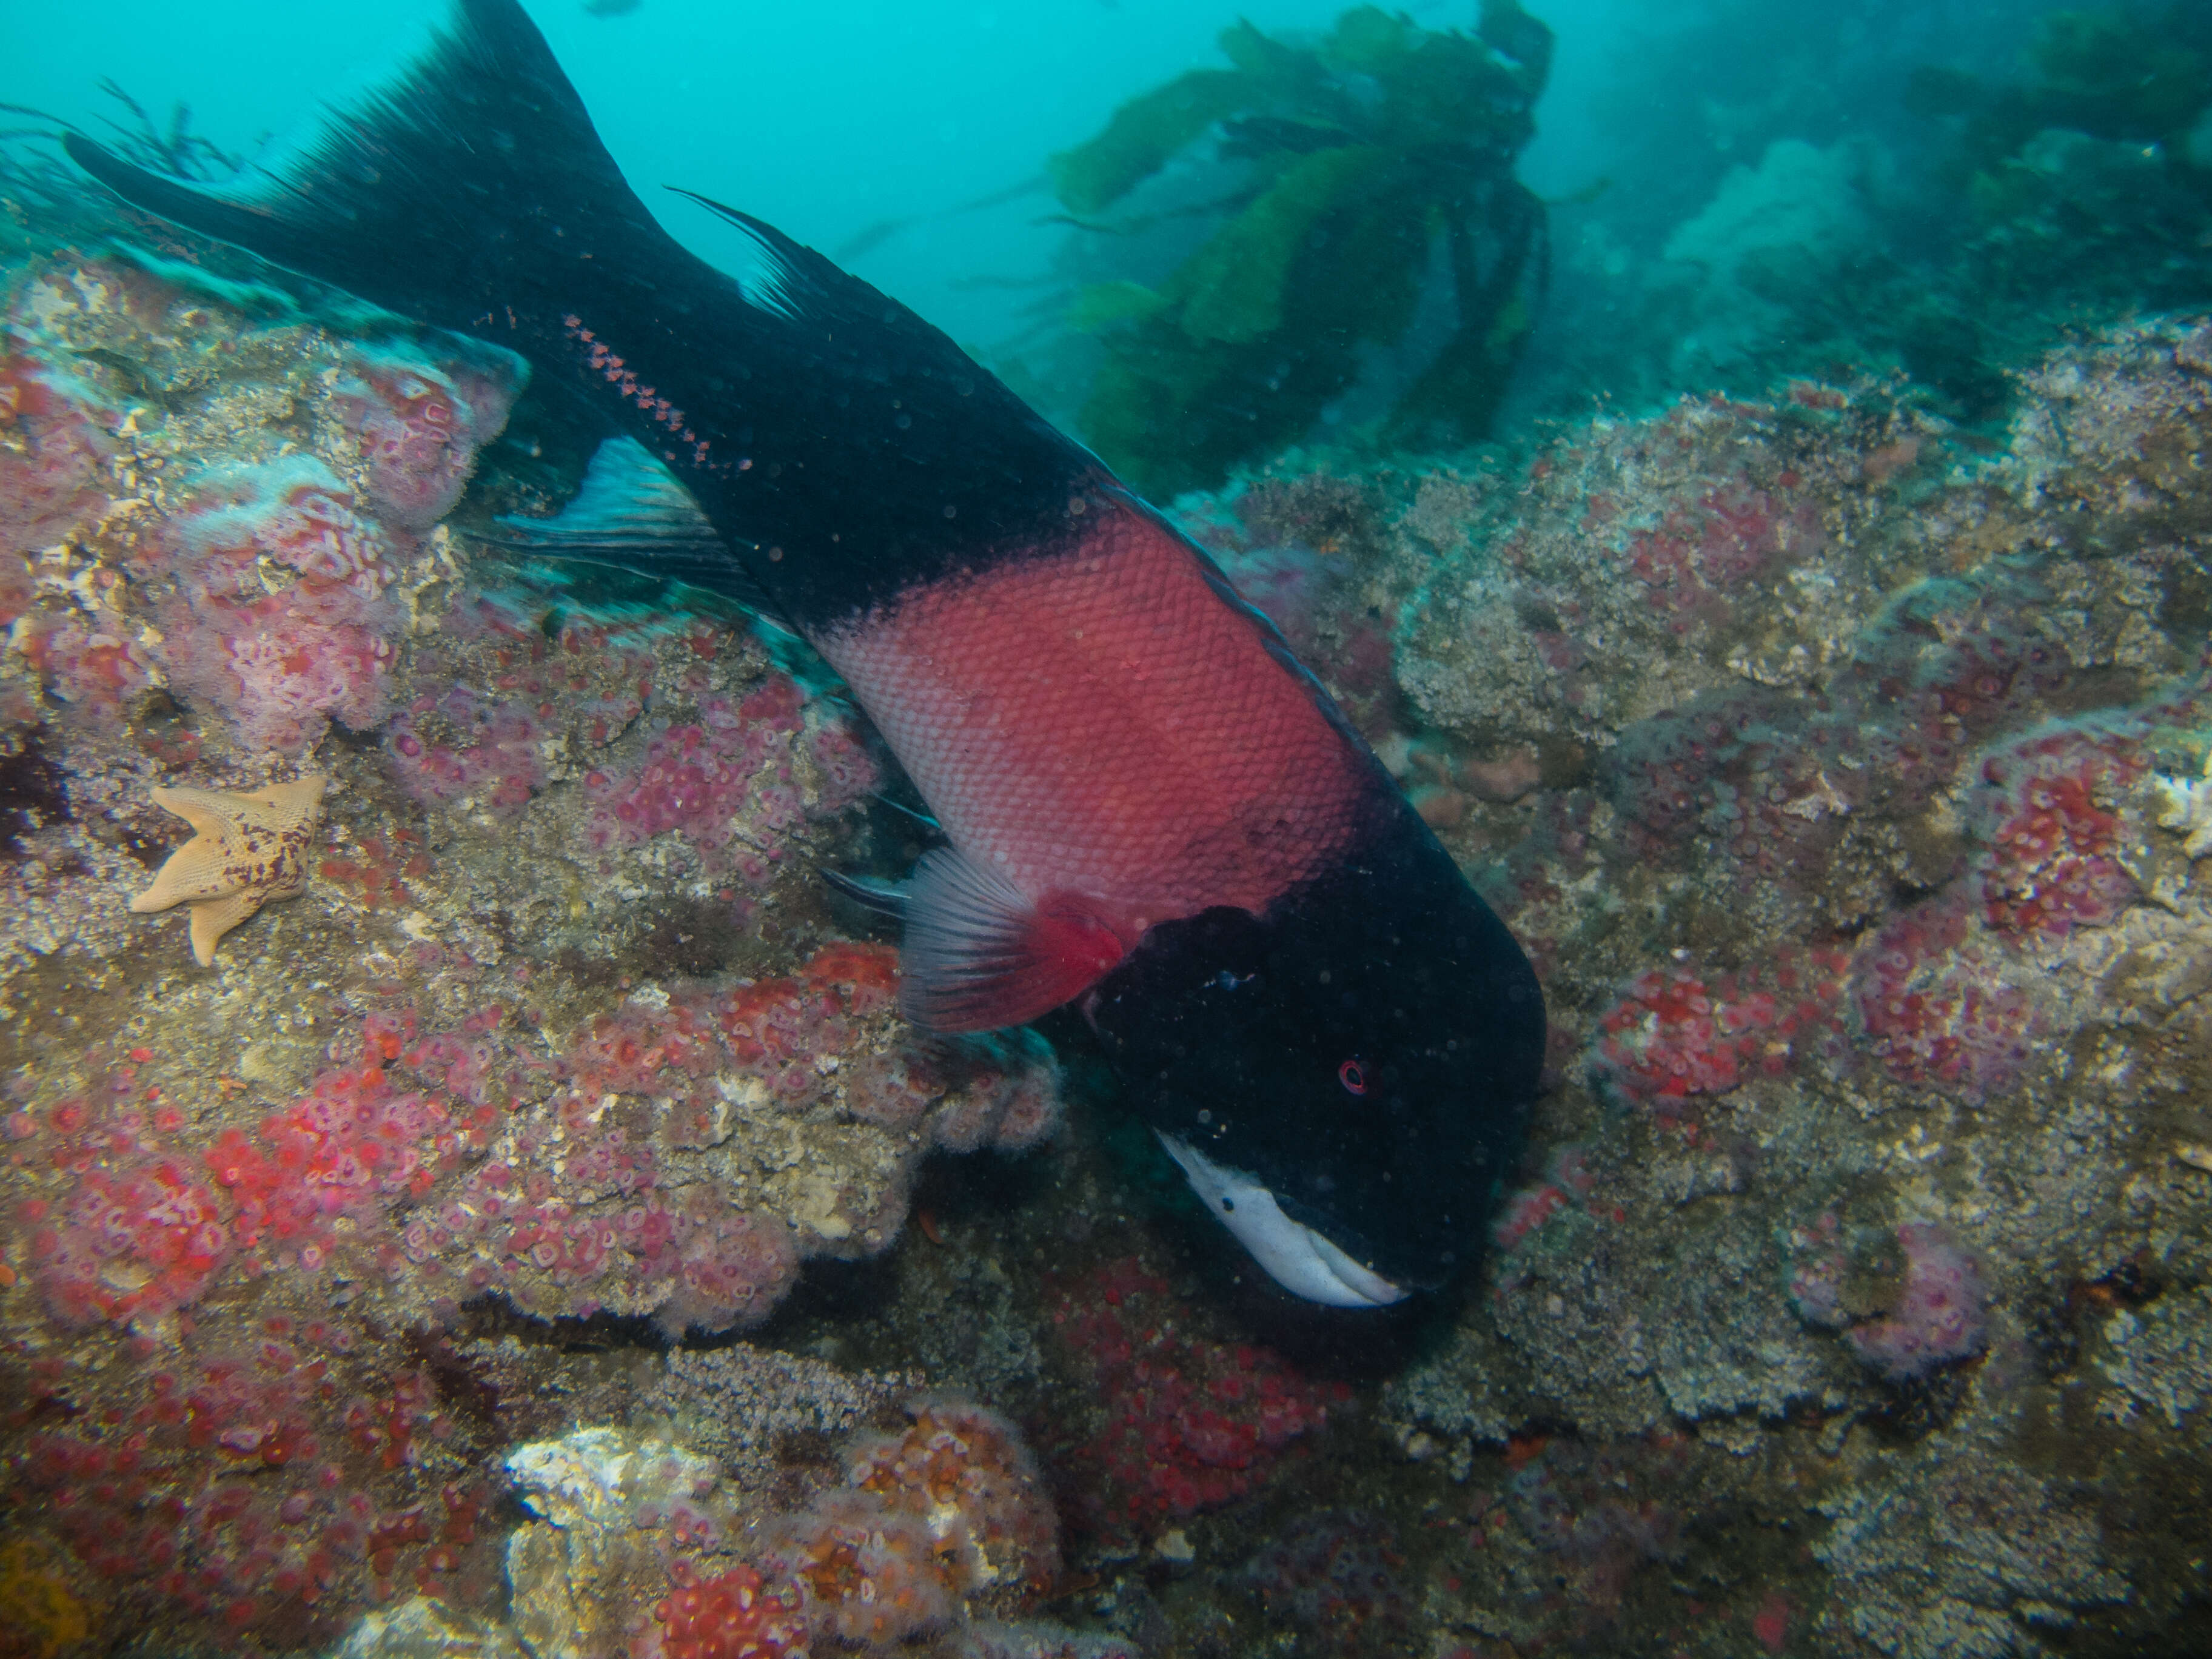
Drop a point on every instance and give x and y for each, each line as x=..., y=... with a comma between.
x=1742, y=470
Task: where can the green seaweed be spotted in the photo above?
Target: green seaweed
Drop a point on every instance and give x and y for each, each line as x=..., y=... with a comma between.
x=1362, y=151
x=1102, y=304
x=1142, y=136
x=1233, y=289
x=2086, y=182
x=2120, y=73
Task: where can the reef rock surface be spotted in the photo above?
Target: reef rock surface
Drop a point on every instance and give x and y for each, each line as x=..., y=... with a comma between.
x=1843, y=771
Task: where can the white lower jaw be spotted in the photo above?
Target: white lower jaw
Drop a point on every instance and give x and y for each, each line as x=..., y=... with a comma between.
x=1296, y=1257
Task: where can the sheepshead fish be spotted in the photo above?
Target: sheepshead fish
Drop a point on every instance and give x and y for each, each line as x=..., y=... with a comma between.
x=1151, y=811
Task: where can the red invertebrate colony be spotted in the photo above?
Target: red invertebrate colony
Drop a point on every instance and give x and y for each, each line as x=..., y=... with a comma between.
x=425, y=1162
x=1698, y=558
x=963, y=1471
x=268, y=1487
x=2053, y=831
x=1907, y=1300
x=260, y=580
x=733, y=1615
x=1935, y=1005
x=420, y=422
x=53, y=462
x=1180, y=1425
x=1674, y=1035
x=867, y=1574
x=953, y=1507
x=725, y=783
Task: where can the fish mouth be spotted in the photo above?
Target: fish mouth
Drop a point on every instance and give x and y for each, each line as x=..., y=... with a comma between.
x=1303, y=1261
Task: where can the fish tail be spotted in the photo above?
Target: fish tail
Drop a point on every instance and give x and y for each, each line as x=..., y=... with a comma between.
x=842, y=449
x=389, y=199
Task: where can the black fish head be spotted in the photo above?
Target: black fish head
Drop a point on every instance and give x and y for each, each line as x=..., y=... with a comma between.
x=1344, y=1078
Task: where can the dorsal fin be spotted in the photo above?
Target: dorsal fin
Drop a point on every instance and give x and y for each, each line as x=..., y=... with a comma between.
x=789, y=275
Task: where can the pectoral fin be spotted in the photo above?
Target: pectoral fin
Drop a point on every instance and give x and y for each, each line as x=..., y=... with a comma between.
x=979, y=954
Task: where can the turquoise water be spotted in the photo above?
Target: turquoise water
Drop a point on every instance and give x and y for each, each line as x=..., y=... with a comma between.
x=828, y=123
x=825, y=121
x=673, y=986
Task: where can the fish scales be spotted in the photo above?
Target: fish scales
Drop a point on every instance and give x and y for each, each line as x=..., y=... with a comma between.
x=1098, y=722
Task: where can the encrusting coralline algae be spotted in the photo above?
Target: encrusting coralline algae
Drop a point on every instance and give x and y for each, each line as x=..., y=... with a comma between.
x=1834, y=765
x=1837, y=767
x=418, y=1085
x=1876, y=947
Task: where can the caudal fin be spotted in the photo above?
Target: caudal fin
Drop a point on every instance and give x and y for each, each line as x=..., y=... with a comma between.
x=391, y=199
x=819, y=423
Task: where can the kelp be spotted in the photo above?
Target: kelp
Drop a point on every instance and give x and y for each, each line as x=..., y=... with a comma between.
x=2127, y=74
x=1141, y=138
x=45, y=201
x=2084, y=188
x=2093, y=171
x=1372, y=157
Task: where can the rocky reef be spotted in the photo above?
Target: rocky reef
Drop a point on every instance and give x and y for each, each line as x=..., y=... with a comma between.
x=499, y=1246
x=554, y=1016
x=1857, y=762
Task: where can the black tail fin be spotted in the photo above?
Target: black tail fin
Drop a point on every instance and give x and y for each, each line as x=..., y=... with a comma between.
x=389, y=201
x=817, y=422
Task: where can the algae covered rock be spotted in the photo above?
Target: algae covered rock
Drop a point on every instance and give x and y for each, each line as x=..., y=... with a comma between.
x=557, y=1029
x=1861, y=876
x=422, y=1628
x=581, y=1573
x=641, y=1544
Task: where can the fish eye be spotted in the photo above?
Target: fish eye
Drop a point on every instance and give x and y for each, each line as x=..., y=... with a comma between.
x=1354, y=1076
